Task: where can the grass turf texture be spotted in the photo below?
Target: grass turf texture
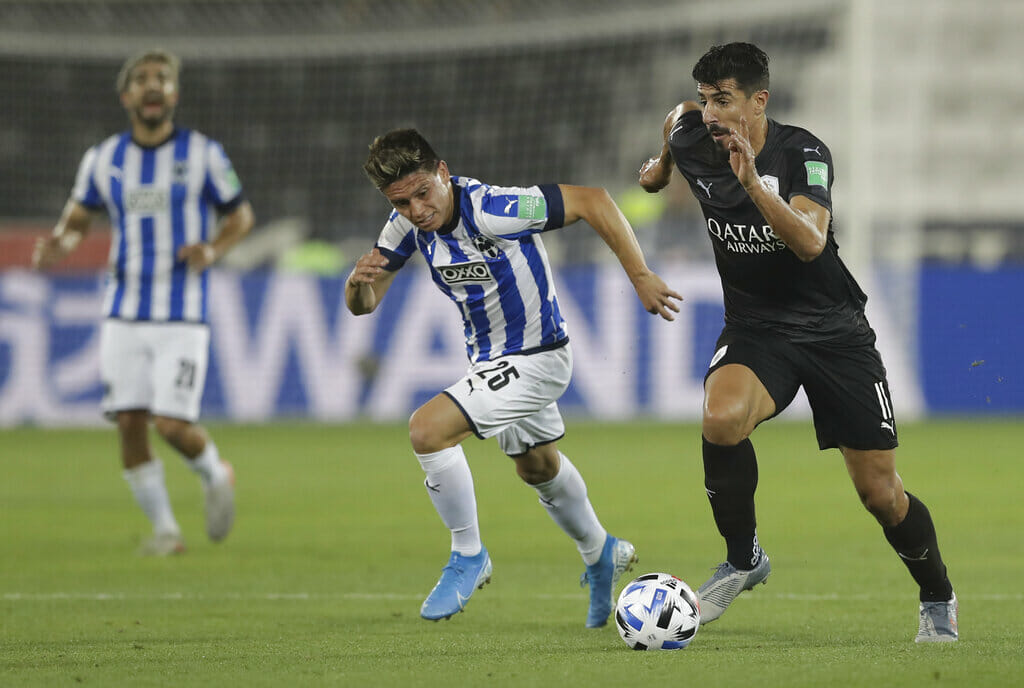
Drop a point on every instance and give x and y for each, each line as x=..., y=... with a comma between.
x=336, y=544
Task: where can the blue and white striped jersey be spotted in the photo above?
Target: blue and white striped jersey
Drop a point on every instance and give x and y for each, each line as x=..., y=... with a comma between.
x=491, y=262
x=158, y=199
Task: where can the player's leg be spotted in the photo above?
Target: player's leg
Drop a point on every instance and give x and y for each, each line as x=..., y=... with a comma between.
x=735, y=401
x=125, y=371
x=181, y=355
x=216, y=475
x=144, y=474
x=563, y=493
x=909, y=528
x=750, y=379
x=436, y=430
x=852, y=407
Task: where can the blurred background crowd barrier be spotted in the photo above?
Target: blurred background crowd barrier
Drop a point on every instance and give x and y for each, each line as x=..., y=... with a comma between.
x=918, y=101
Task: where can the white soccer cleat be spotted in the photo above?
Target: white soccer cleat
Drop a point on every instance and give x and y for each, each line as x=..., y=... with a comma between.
x=220, y=504
x=726, y=584
x=938, y=622
x=162, y=545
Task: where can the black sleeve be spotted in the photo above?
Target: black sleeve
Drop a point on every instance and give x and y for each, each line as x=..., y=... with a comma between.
x=809, y=163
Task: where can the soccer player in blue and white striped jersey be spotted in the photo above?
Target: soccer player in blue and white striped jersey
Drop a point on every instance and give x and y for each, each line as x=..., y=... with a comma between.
x=175, y=206
x=483, y=247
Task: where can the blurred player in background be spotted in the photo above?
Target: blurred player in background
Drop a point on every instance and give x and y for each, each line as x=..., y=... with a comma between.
x=794, y=317
x=166, y=190
x=482, y=245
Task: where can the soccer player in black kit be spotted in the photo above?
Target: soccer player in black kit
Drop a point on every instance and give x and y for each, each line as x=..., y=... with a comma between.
x=794, y=316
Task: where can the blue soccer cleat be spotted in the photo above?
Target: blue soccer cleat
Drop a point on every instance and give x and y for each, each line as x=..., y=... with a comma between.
x=617, y=557
x=458, y=580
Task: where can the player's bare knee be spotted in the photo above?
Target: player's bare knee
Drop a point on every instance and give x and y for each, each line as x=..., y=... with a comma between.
x=882, y=502
x=726, y=424
x=423, y=434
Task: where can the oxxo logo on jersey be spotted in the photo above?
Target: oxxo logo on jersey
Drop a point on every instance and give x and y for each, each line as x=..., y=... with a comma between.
x=146, y=200
x=464, y=273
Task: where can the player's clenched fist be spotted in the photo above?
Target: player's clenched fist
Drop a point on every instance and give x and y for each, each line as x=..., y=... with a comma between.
x=368, y=268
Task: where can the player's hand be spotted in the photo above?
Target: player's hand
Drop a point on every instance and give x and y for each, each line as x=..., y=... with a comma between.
x=198, y=256
x=741, y=155
x=48, y=251
x=368, y=268
x=655, y=174
x=656, y=296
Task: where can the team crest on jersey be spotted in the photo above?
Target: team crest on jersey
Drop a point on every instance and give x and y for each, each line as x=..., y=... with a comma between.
x=771, y=182
x=486, y=246
x=464, y=273
x=180, y=173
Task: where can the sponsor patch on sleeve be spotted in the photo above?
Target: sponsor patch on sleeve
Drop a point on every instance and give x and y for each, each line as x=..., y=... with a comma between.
x=817, y=173
x=532, y=208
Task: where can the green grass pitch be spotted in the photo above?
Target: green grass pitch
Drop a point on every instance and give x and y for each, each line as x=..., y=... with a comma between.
x=336, y=544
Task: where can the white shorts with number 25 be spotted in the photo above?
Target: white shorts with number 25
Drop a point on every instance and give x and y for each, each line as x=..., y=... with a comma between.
x=514, y=398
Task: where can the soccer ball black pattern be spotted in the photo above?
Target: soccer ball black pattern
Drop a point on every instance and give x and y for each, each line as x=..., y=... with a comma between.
x=657, y=611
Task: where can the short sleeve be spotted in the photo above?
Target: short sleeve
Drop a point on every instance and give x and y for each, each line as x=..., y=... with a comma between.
x=512, y=212
x=85, y=191
x=222, y=186
x=397, y=242
x=811, y=173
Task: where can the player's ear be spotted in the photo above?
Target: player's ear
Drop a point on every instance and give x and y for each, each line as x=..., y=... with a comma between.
x=443, y=173
x=761, y=101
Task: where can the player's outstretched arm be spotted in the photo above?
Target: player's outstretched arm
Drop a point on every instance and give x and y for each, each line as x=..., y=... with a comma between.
x=368, y=282
x=599, y=210
x=73, y=224
x=656, y=172
x=233, y=228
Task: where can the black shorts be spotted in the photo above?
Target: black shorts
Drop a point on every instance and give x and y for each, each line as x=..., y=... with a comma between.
x=845, y=384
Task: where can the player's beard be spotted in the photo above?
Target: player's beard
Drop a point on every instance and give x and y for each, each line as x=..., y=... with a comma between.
x=154, y=121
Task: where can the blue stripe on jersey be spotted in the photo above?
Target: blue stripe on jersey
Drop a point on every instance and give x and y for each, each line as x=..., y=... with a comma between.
x=475, y=302
x=179, y=192
x=512, y=307
x=550, y=315
x=204, y=294
x=116, y=192
x=92, y=198
x=147, y=227
x=204, y=276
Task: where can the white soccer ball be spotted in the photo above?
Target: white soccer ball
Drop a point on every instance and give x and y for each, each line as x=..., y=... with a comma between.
x=657, y=611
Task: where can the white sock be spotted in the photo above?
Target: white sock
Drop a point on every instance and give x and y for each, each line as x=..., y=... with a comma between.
x=450, y=486
x=208, y=464
x=565, y=498
x=147, y=484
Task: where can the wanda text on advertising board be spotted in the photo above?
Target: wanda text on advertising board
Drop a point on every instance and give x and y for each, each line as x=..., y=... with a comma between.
x=284, y=346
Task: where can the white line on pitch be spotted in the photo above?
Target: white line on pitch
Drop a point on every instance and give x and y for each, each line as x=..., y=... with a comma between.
x=369, y=596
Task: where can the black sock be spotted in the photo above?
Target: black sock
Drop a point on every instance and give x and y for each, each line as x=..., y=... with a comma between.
x=915, y=541
x=730, y=477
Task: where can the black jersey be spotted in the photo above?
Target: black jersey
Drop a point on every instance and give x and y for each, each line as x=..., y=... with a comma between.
x=764, y=283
